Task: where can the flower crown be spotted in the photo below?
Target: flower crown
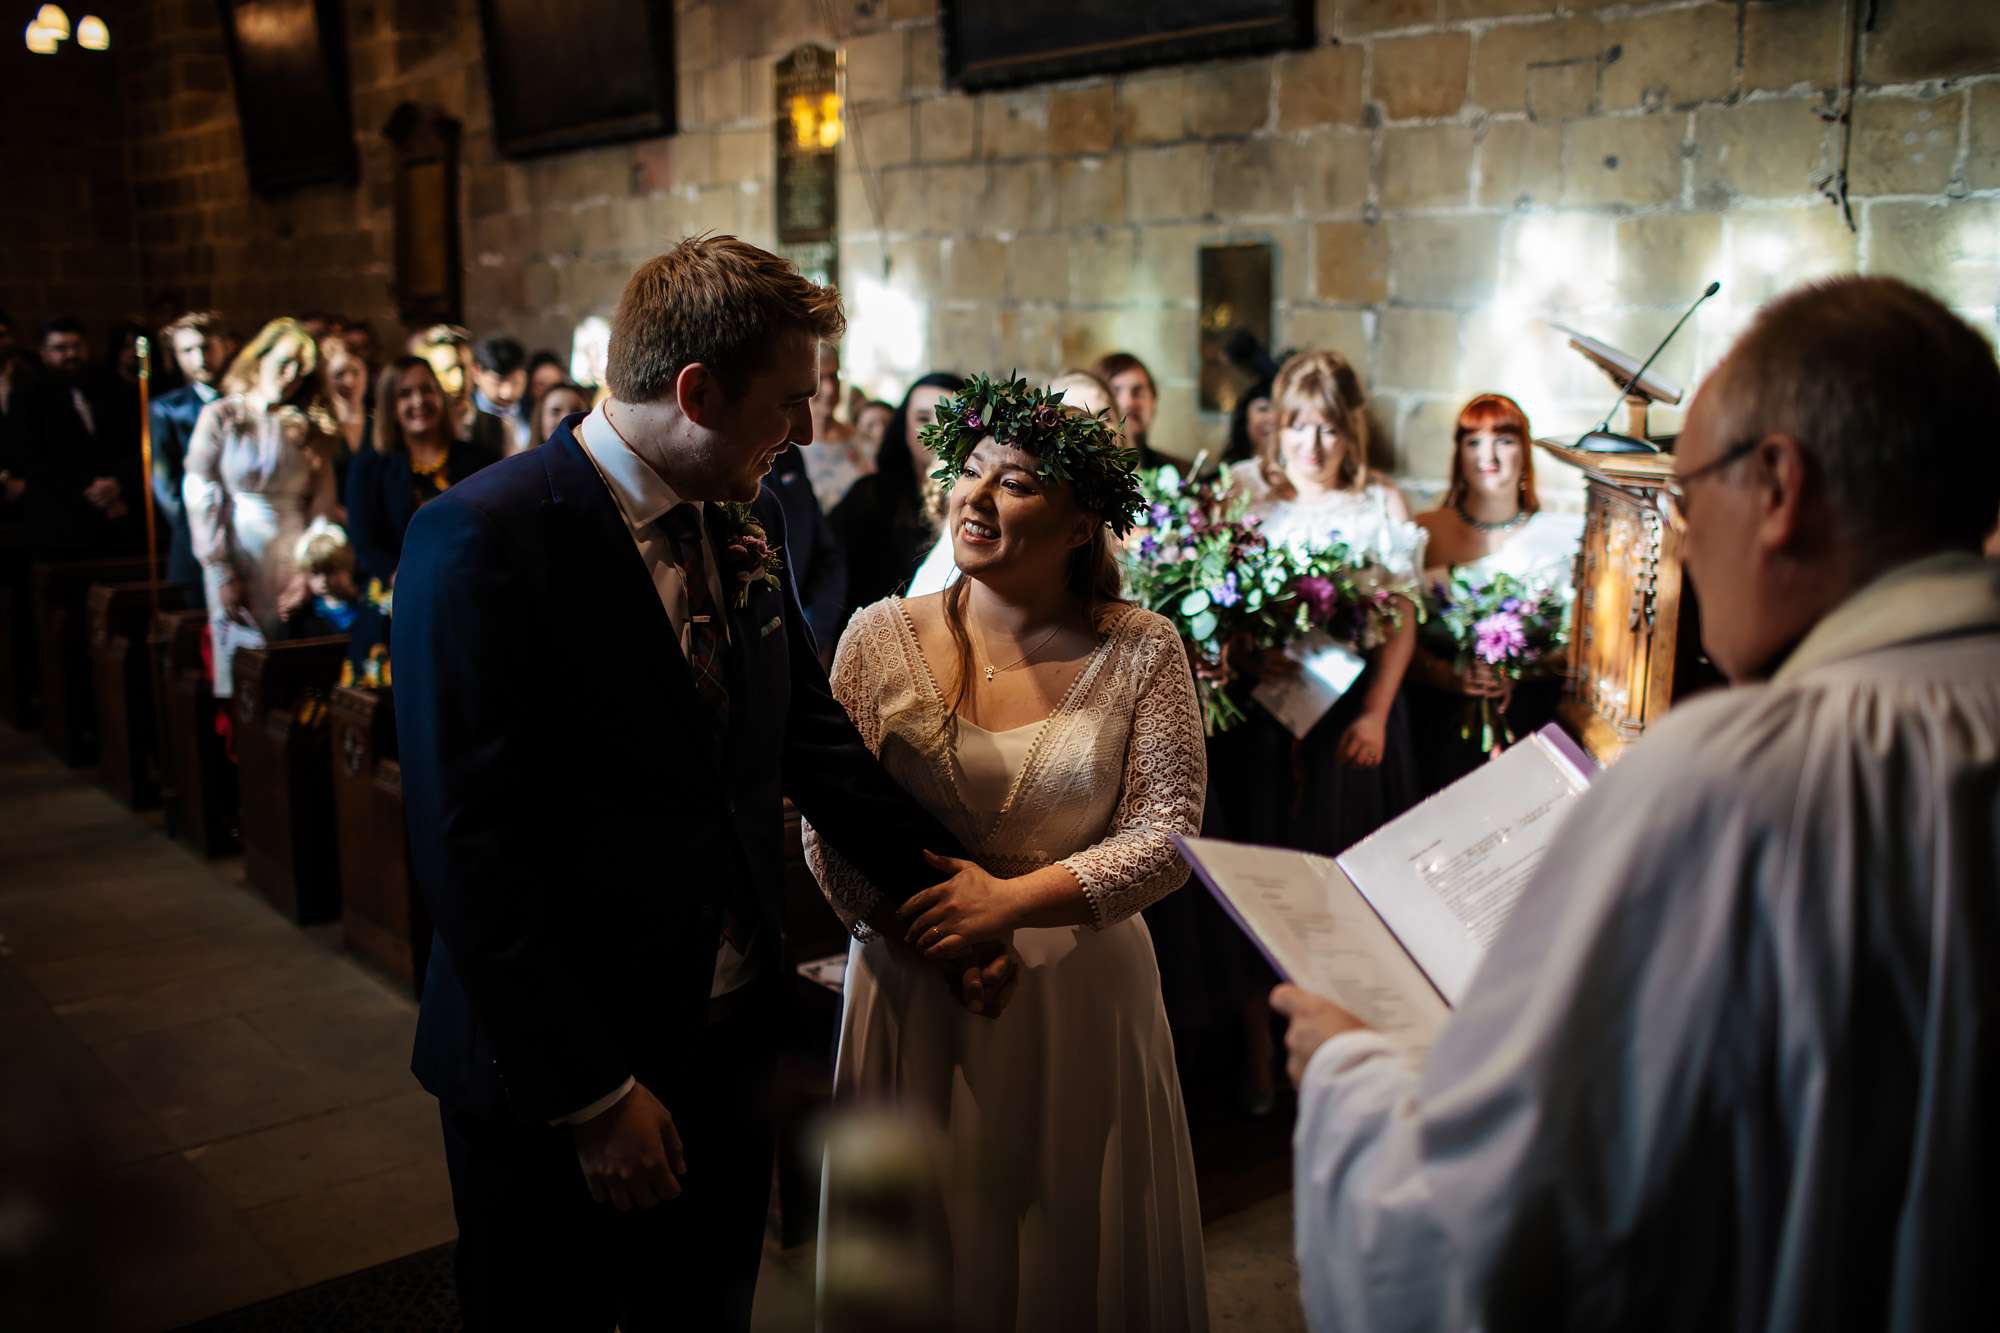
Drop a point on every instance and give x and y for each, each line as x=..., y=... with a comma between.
x=1072, y=448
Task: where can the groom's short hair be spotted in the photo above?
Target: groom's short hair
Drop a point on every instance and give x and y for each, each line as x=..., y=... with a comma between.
x=715, y=300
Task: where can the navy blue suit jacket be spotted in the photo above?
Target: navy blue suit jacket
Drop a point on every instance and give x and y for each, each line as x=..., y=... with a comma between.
x=381, y=500
x=577, y=826
x=174, y=417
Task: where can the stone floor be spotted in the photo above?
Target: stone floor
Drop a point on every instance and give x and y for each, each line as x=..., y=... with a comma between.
x=206, y=1106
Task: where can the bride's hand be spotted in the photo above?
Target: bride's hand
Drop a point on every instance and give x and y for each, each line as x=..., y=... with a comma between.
x=969, y=909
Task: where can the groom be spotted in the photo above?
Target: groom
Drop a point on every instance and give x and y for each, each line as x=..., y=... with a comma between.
x=605, y=689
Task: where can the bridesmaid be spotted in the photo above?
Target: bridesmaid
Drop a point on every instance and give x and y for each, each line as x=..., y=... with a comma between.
x=1490, y=522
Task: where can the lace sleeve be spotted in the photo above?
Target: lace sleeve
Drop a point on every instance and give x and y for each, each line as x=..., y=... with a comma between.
x=1165, y=783
x=205, y=496
x=857, y=663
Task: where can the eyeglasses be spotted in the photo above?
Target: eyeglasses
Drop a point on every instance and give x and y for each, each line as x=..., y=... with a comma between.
x=1673, y=491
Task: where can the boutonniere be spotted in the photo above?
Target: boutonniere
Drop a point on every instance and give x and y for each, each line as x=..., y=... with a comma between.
x=747, y=552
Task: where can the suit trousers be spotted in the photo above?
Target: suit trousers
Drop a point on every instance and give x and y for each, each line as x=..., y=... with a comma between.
x=535, y=1251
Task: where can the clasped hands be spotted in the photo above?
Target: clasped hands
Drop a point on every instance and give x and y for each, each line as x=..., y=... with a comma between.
x=963, y=926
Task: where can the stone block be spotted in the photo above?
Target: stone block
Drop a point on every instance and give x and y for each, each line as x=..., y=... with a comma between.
x=1426, y=167
x=1421, y=78
x=964, y=335
x=1038, y=268
x=1456, y=11
x=1102, y=266
x=886, y=132
x=926, y=62
x=914, y=266
x=947, y=127
x=1791, y=42
x=1152, y=108
x=1169, y=262
x=1904, y=145
x=1019, y=196
x=1931, y=39
x=746, y=155
x=1562, y=89
x=1950, y=250
x=1333, y=168
x=1167, y=184
x=1252, y=178
x=1502, y=55
x=1084, y=336
x=1443, y=261
x=693, y=158
x=1090, y=192
x=876, y=64
x=1351, y=262
x=911, y=9
x=1770, y=251
x=1322, y=86
x=1424, y=438
x=1014, y=124
x=1982, y=158
x=1229, y=98
x=1083, y=120
x=1559, y=260
x=1030, y=339
x=1520, y=164
x=722, y=94
x=1316, y=328
x=972, y=268
x=975, y=197
x=1757, y=150
x=1366, y=16
x=1671, y=58
x=1629, y=160
x=1419, y=351
x=1667, y=258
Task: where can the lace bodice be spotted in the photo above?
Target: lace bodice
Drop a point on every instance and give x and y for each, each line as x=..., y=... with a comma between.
x=1391, y=548
x=1117, y=768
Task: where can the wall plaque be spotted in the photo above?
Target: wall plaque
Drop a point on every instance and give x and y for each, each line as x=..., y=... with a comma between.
x=429, y=271
x=808, y=128
x=1235, y=296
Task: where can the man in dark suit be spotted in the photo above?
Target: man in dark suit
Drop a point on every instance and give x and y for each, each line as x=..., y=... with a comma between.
x=499, y=391
x=85, y=448
x=605, y=690
x=202, y=349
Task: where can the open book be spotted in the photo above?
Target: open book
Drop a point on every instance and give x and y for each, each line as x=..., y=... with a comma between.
x=1395, y=926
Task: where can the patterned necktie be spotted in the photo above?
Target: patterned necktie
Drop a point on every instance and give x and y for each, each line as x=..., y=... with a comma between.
x=706, y=641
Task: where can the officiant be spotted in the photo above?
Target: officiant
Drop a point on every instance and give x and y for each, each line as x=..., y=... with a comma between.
x=1729, y=1064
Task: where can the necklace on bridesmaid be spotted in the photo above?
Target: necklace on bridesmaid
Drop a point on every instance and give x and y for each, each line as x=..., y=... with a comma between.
x=1481, y=525
x=991, y=670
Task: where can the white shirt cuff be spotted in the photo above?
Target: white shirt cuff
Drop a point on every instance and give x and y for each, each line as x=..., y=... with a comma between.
x=596, y=1108
x=1337, y=1055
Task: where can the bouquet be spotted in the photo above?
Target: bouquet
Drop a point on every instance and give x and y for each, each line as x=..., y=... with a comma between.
x=1204, y=563
x=1508, y=625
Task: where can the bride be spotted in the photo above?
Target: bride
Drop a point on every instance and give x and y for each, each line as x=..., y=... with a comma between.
x=1053, y=728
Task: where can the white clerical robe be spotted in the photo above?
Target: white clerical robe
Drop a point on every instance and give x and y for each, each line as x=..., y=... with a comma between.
x=1734, y=1064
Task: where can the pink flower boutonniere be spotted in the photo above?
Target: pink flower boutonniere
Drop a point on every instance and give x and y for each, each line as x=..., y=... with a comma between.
x=747, y=553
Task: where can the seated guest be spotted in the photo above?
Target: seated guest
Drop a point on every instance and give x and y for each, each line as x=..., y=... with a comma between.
x=324, y=598
x=360, y=340
x=1138, y=399
x=343, y=398
x=545, y=371
x=1730, y=1064
x=448, y=349
x=835, y=461
x=414, y=459
x=86, y=446
x=885, y=525
x=499, y=391
x=1251, y=423
x=202, y=349
x=1489, y=523
x=257, y=472
x=556, y=402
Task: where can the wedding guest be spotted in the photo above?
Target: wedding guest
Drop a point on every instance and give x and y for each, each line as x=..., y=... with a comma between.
x=257, y=472
x=1490, y=522
x=885, y=525
x=324, y=598
x=835, y=461
x=545, y=371
x=556, y=402
x=1729, y=1064
x=448, y=349
x=344, y=398
x=19, y=460
x=1052, y=726
x=88, y=447
x=415, y=458
x=1138, y=400
x=871, y=426
x=202, y=349
x=818, y=564
x=1252, y=423
x=360, y=340
x=499, y=391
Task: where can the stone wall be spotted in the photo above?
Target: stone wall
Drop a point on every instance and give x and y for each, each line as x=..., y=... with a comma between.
x=1438, y=176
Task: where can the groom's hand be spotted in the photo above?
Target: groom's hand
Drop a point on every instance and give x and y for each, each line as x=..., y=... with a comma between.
x=631, y=1154
x=983, y=980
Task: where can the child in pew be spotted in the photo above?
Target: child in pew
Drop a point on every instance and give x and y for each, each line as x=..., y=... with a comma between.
x=326, y=601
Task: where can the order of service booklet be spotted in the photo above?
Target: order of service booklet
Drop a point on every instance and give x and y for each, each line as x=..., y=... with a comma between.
x=1394, y=927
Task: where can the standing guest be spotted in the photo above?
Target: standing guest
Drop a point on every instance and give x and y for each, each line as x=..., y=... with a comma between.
x=499, y=391
x=871, y=426
x=885, y=524
x=258, y=472
x=835, y=461
x=344, y=394
x=1137, y=397
x=90, y=468
x=416, y=457
x=202, y=349
x=1490, y=522
x=559, y=400
x=448, y=349
x=818, y=564
x=360, y=340
x=1730, y=1063
x=545, y=371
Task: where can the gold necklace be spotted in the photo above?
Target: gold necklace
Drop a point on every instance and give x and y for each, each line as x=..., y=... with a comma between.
x=991, y=669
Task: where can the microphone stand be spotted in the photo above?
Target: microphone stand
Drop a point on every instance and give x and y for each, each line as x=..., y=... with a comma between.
x=1600, y=439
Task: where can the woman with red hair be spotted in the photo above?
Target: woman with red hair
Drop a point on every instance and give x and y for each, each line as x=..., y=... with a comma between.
x=1490, y=522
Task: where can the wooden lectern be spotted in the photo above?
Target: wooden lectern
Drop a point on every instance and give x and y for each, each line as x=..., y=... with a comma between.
x=1635, y=632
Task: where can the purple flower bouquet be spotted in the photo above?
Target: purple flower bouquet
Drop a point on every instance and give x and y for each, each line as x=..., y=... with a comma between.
x=1503, y=623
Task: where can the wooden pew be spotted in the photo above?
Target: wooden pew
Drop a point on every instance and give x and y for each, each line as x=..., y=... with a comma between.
x=128, y=761
x=62, y=633
x=17, y=627
x=285, y=774
x=197, y=776
x=384, y=918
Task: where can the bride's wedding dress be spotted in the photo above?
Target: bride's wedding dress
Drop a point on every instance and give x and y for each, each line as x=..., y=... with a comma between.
x=1070, y=1189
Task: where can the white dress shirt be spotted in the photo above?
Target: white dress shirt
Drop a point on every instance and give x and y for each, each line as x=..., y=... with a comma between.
x=643, y=498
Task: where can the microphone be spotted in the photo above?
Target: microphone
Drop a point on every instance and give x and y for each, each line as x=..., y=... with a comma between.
x=1603, y=440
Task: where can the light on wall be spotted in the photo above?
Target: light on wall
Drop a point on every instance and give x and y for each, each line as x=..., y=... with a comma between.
x=41, y=41
x=816, y=120
x=51, y=19
x=51, y=29
x=92, y=35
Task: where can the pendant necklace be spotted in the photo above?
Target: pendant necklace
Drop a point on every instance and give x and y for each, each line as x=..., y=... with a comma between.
x=991, y=669
x=1481, y=525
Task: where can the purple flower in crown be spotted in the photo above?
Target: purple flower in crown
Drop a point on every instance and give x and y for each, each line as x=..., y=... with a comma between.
x=1225, y=593
x=972, y=419
x=1319, y=594
x=1499, y=637
x=1048, y=416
